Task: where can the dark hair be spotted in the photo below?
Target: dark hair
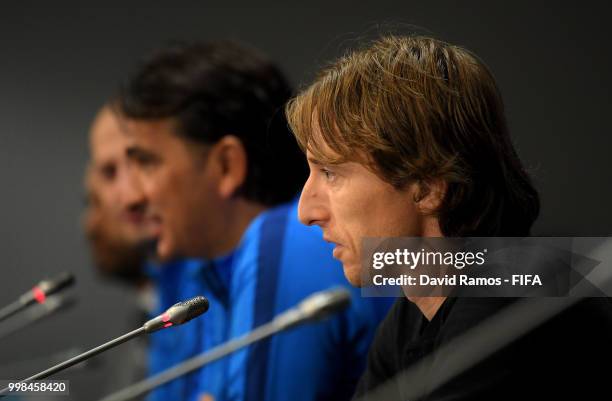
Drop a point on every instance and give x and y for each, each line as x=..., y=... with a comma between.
x=420, y=109
x=213, y=89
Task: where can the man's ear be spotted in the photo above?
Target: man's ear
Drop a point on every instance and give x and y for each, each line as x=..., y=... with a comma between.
x=429, y=195
x=230, y=157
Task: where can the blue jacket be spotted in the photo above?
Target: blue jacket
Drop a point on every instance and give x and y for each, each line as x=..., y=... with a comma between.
x=278, y=262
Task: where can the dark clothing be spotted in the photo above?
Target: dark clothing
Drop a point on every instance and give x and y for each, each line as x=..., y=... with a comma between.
x=568, y=357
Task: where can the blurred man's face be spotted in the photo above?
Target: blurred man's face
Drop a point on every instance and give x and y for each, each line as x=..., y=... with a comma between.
x=180, y=186
x=115, y=219
x=115, y=189
x=350, y=202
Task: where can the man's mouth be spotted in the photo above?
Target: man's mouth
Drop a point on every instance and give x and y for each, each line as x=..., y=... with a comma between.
x=329, y=239
x=337, y=251
x=135, y=217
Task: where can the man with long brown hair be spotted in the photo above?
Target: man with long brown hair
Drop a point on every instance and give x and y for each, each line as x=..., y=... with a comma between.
x=407, y=138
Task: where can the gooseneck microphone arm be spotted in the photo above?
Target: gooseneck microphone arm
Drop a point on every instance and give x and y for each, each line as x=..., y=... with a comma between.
x=37, y=294
x=53, y=304
x=10, y=309
x=85, y=355
x=179, y=313
x=315, y=307
x=194, y=363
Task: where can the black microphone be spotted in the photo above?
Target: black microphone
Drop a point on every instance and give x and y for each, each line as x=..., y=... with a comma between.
x=315, y=307
x=178, y=314
x=38, y=294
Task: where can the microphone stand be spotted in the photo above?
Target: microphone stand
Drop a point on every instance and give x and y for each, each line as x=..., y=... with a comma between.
x=38, y=294
x=145, y=386
x=179, y=313
x=314, y=307
x=53, y=304
x=79, y=358
x=11, y=309
x=85, y=355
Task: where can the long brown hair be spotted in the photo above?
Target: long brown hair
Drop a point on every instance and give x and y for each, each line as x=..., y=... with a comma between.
x=422, y=109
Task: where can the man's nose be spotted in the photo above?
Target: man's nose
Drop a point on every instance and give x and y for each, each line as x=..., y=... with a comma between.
x=132, y=191
x=312, y=209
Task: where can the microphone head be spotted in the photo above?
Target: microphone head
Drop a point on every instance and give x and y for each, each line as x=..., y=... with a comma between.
x=51, y=286
x=182, y=312
x=179, y=313
x=47, y=287
x=324, y=303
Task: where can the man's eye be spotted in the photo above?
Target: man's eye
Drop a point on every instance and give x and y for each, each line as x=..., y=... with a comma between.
x=109, y=171
x=145, y=159
x=329, y=175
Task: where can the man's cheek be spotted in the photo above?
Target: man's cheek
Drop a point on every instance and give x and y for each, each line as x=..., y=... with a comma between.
x=155, y=189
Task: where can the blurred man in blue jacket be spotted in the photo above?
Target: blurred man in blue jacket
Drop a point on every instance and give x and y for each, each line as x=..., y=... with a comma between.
x=220, y=172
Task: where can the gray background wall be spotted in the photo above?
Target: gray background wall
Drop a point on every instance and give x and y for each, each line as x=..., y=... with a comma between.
x=58, y=62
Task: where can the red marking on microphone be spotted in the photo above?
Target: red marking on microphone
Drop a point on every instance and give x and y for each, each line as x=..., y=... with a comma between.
x=39, y=295
x=165, y=317
x=167, y=325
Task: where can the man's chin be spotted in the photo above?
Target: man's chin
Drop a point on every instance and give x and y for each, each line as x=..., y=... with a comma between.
x=353, y=275
x=165, y=252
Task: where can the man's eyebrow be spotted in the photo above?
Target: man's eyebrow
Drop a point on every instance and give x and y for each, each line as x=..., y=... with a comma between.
x=133, y=151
